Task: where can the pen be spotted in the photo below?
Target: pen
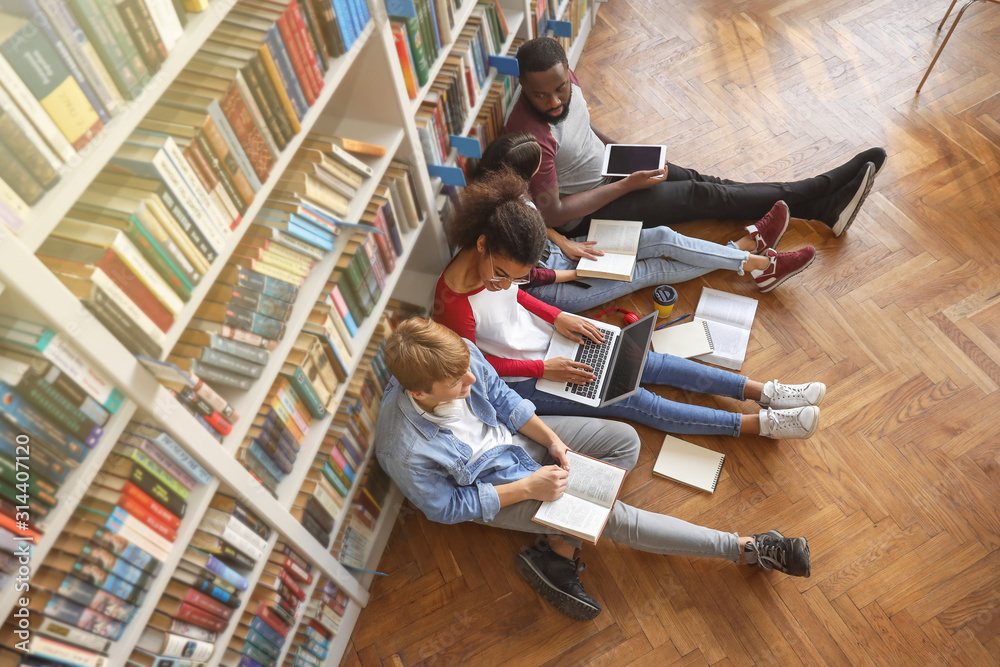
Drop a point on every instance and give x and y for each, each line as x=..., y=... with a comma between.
x=682, y=317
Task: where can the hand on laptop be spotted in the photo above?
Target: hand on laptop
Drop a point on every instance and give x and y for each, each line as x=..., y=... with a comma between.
x=561, y=369
x=573, y=327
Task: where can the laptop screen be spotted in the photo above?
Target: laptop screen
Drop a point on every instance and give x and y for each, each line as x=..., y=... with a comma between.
x=632, y=347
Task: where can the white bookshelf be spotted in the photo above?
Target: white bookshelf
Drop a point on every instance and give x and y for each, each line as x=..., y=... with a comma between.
x=363, y=97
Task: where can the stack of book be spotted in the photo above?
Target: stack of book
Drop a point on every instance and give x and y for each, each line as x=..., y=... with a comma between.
x=489, y=123
x=273, y=441
x=92, y=583
x=419, y=38
x=454, y=93
x=53, y=409
x=68, y=67
x=320, y=623
x=205, y=590
x=274, y=608
x=353, y=545
x=539, y=12
x=89, y=588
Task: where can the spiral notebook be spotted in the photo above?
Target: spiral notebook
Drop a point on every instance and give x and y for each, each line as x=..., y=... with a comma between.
x=684, y=340
x=689, y=464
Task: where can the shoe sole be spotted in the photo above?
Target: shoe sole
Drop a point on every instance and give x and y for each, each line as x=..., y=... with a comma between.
x=788, y=218
x=805, y=548
x=776, y=283
x=567, y=604
x=851, y=210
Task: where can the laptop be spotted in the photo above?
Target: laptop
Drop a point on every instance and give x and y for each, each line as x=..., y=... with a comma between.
x=617, y=362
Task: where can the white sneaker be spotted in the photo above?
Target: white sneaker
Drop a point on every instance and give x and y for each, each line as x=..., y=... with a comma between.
x=782, y=396
x=793, y=424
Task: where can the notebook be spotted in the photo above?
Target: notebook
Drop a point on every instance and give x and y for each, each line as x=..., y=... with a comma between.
x=730, y=318
x=689, y=464
x=684, y=340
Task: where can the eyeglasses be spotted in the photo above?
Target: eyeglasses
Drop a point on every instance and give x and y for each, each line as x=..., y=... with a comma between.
x=499, y=279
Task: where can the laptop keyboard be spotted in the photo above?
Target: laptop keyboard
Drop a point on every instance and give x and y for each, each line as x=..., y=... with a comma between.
x=596, y=356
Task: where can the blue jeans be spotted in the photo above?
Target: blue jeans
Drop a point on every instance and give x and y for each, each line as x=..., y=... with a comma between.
x=647, y=408
x=664, y=258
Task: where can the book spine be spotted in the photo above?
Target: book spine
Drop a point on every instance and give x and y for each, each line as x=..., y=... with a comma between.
x=220, y=569
x=166, y=22
x=142, y=514
x=48, y=649
x=228, y=161
x=166, y=464
x=98, y=31
x=196, y=615
x=60, y=353
x=14, y=91
x=157, y=491
x=236, y=149
x=221, y=173
x=286, y=71
x=151, y=506
x=23, y=415
x=216, y=375
x=58, y=407
x=267, y=104
x=181, y=457
x=183, y=167
x=207, y=603
x=250, y=353
x=273, y=287
x=121, y=35
x=142, y=531
x=301, y=34
x=61, y=631
x=140, y=33
x=228, y=363
x=294, y=50
x=266, y=461
x=258, y=154
x=221, y=203
x=134, y=453
x=304, y=388
x=256, y=114
x=282, y=94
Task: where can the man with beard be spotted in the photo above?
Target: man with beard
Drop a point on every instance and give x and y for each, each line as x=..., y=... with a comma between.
x=569, y=189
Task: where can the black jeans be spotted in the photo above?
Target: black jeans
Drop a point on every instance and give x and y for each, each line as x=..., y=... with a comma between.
x=688, y=195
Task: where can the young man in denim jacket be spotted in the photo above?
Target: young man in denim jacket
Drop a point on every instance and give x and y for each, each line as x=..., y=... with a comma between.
x=462, y=446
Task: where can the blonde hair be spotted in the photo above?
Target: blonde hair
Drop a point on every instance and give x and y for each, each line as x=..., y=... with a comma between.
x=421, y=352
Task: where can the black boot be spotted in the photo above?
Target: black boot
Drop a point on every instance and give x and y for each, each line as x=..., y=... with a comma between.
x=555, y=577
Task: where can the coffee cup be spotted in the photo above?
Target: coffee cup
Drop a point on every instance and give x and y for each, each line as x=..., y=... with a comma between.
x=664, y=297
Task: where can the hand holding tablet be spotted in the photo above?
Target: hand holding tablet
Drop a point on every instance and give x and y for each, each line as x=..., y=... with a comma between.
x=626, y=159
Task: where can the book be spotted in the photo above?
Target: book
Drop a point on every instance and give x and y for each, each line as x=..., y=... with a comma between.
x=689, y=464
x=619, y=240
x=729, y=318
x=34, y=59
x=591, y=489
x=687, y=340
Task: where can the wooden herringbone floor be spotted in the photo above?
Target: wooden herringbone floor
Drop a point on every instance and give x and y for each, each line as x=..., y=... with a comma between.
x=899, y=492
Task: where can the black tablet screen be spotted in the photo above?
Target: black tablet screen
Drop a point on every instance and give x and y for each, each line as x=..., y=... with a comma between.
x=629, y=159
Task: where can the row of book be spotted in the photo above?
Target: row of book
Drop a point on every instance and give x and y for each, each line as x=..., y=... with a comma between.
x=97, y=576
x=67, y=68
x=575, y=12
x=208, y=587
x=275, y=608
x=458, y=87
x=54, y=406
x=421, y=29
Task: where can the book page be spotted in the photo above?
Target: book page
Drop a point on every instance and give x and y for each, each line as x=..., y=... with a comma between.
x=609, y=263
x=593, y=480
x=616, y=236
x=732, y=309
x=572, y=514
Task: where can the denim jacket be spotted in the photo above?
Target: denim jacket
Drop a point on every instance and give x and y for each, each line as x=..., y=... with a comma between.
x=429, y=464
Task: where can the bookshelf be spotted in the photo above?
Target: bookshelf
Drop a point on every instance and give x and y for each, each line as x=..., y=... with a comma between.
x=363, y=97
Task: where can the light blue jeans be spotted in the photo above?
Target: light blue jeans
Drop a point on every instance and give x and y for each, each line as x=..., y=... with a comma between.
x=647, y=408
x=664, y=258
x=618, y=444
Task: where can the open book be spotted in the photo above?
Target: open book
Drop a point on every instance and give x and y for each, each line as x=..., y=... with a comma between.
x=619, y=239
x=689, y=464
x=591, y=490
x=729, y=318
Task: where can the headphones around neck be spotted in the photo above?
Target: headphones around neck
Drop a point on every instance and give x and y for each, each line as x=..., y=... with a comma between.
x=630, y=317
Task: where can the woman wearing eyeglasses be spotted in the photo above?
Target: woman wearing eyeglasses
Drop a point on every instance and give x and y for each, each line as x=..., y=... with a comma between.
x=501, y=237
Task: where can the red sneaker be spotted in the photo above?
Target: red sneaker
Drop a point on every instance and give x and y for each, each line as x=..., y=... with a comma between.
x=783, y=266
x=767, y=231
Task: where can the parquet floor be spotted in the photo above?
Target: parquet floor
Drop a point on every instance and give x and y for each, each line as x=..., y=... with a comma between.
x=900, y=489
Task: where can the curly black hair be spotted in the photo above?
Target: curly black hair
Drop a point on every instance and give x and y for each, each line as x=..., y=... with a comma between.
x=495, y=207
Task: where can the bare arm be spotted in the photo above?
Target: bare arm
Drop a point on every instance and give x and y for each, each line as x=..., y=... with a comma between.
x=558, y=211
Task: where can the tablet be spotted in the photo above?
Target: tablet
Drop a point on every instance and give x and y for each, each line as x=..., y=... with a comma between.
x=624, y=159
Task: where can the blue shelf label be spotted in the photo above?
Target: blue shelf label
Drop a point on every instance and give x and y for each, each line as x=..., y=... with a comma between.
x=505, y=65
x=404, y=8
x=466, y=146
x=448, y=175
x=560, y=28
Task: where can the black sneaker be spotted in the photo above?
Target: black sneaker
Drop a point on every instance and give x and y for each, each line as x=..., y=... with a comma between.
x=846, y=202
x=774, y=551
x=555, y=577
